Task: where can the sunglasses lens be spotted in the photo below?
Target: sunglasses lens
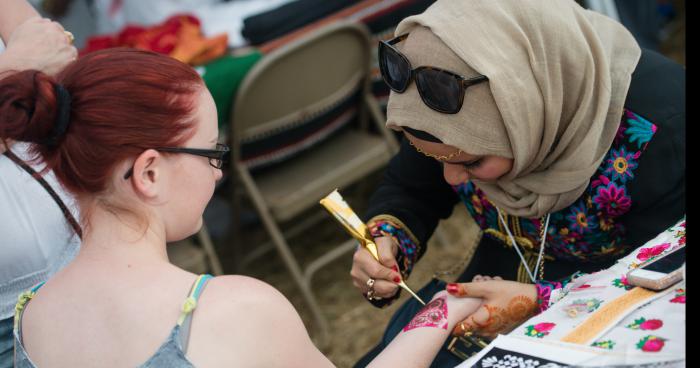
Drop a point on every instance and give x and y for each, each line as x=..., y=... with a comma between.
x=440, y=90
x=396, y=71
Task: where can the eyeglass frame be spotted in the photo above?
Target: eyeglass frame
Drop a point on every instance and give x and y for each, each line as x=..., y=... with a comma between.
x=218, y=154
x=465, y=82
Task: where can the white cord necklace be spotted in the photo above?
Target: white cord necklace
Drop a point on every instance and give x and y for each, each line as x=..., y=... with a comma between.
x=517, y=249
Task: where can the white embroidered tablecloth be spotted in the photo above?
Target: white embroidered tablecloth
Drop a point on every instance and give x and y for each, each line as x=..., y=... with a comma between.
x=647, y=329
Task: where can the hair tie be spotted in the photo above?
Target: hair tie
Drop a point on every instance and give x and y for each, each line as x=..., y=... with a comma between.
x=60, y=126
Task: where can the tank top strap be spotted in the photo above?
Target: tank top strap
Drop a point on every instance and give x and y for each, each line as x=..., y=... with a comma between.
x=22, y=302
x=188, y=307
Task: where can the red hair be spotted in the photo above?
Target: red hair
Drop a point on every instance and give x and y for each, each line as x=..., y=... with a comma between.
x=123, y=101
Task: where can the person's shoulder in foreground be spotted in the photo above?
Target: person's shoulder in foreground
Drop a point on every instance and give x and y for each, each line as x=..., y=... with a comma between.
x=244, y=312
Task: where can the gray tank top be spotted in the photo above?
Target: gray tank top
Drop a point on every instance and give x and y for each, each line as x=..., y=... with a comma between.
x=170, y=354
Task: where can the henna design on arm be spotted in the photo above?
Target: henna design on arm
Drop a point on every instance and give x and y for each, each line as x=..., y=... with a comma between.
x=434, y=314
x=500, y=320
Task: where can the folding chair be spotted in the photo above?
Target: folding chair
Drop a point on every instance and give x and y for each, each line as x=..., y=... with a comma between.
x=312, y=75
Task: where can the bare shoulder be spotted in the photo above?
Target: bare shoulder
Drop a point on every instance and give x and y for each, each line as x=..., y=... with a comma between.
x=236, y=289
x=242, y=319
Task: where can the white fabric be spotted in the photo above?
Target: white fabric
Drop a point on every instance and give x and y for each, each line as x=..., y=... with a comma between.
x=566, y=354
x=631, y=339
x=216, y=16
x=35, y=239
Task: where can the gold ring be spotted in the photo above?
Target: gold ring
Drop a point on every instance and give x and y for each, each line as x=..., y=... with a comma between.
x=370, y=295
x=70, y=36
x=370, y=284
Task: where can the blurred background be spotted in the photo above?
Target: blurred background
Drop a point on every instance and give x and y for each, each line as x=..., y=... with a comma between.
x=301, y=102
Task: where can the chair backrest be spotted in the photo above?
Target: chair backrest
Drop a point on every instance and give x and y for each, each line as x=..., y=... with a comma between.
x=313, y=77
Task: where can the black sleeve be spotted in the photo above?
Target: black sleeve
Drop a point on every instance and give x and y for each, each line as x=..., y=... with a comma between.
x=657, y=93
x=413, y=190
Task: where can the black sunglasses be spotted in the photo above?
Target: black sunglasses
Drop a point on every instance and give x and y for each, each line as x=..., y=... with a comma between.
x=440, y=89
x=217, y=157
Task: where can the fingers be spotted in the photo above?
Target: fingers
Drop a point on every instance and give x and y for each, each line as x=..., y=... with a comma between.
x=366, y=267
x=464, y=328
x=475, y=323
x=481, y=289
x=479, y=278
x=485, y=322
x=387, y=252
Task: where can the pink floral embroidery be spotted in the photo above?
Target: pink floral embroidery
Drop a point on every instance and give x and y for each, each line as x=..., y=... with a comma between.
x=622, y=283
x=646, y=324
x=539, y=330
x=680, y=297
x=650, y=252
x=651, y=344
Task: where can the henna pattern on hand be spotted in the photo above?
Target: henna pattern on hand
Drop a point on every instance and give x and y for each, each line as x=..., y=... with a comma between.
x=501, y=320
x=520, y=308
x=434, y=314
x=498, y=319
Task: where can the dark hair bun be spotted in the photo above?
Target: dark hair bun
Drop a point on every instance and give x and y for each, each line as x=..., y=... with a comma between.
x=28, y=107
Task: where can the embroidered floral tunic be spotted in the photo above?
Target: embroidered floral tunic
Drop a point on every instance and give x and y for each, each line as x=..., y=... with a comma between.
x=637, y=192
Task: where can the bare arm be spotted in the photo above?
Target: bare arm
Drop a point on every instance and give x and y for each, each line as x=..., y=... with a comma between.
x=12, y=14
x=420, y=340
x=248, y=323
x=31, y=42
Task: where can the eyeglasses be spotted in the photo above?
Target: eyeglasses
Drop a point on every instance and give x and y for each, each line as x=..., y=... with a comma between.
x=440, y=89
x=217, y=157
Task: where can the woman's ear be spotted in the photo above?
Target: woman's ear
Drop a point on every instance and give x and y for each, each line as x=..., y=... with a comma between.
x=146, y=175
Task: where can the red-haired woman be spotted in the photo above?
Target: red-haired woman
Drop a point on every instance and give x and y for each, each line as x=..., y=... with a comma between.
x=133, y=136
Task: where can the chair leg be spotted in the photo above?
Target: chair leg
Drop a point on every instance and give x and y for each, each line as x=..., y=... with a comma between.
x=287, y=256
x=208, y=245
x=327, y=258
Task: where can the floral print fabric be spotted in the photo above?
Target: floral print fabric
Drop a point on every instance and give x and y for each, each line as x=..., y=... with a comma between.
x=654, y=326
x=409, y=248
x=587, y=230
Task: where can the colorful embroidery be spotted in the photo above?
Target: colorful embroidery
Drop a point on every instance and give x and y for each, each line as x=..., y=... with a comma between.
x=544, y=290
x=539, y=330
x=606, y=344
x=646, y=254
x=639, y=129
x=621, y=164
x=579, y=306
x=645, y=324
x=651, y=343
x=587, y=230
x=579, y=220
x=680, y=297
x=613, y=201
x=622, y=283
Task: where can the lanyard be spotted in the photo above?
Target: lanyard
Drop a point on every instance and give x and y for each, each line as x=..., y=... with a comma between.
x=517, y=248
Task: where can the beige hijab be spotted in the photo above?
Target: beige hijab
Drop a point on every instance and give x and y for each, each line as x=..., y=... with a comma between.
x=558, y=75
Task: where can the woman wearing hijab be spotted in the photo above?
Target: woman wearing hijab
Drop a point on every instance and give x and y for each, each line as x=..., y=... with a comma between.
x=561, y=136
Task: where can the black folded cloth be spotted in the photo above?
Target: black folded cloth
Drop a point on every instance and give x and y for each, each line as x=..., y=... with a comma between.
x=266, y=26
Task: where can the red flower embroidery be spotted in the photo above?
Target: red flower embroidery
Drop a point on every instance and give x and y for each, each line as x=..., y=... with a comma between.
x=651, y=344
x=644, y=324
x=651, y=324
x=544, y=326
x=650, y=252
